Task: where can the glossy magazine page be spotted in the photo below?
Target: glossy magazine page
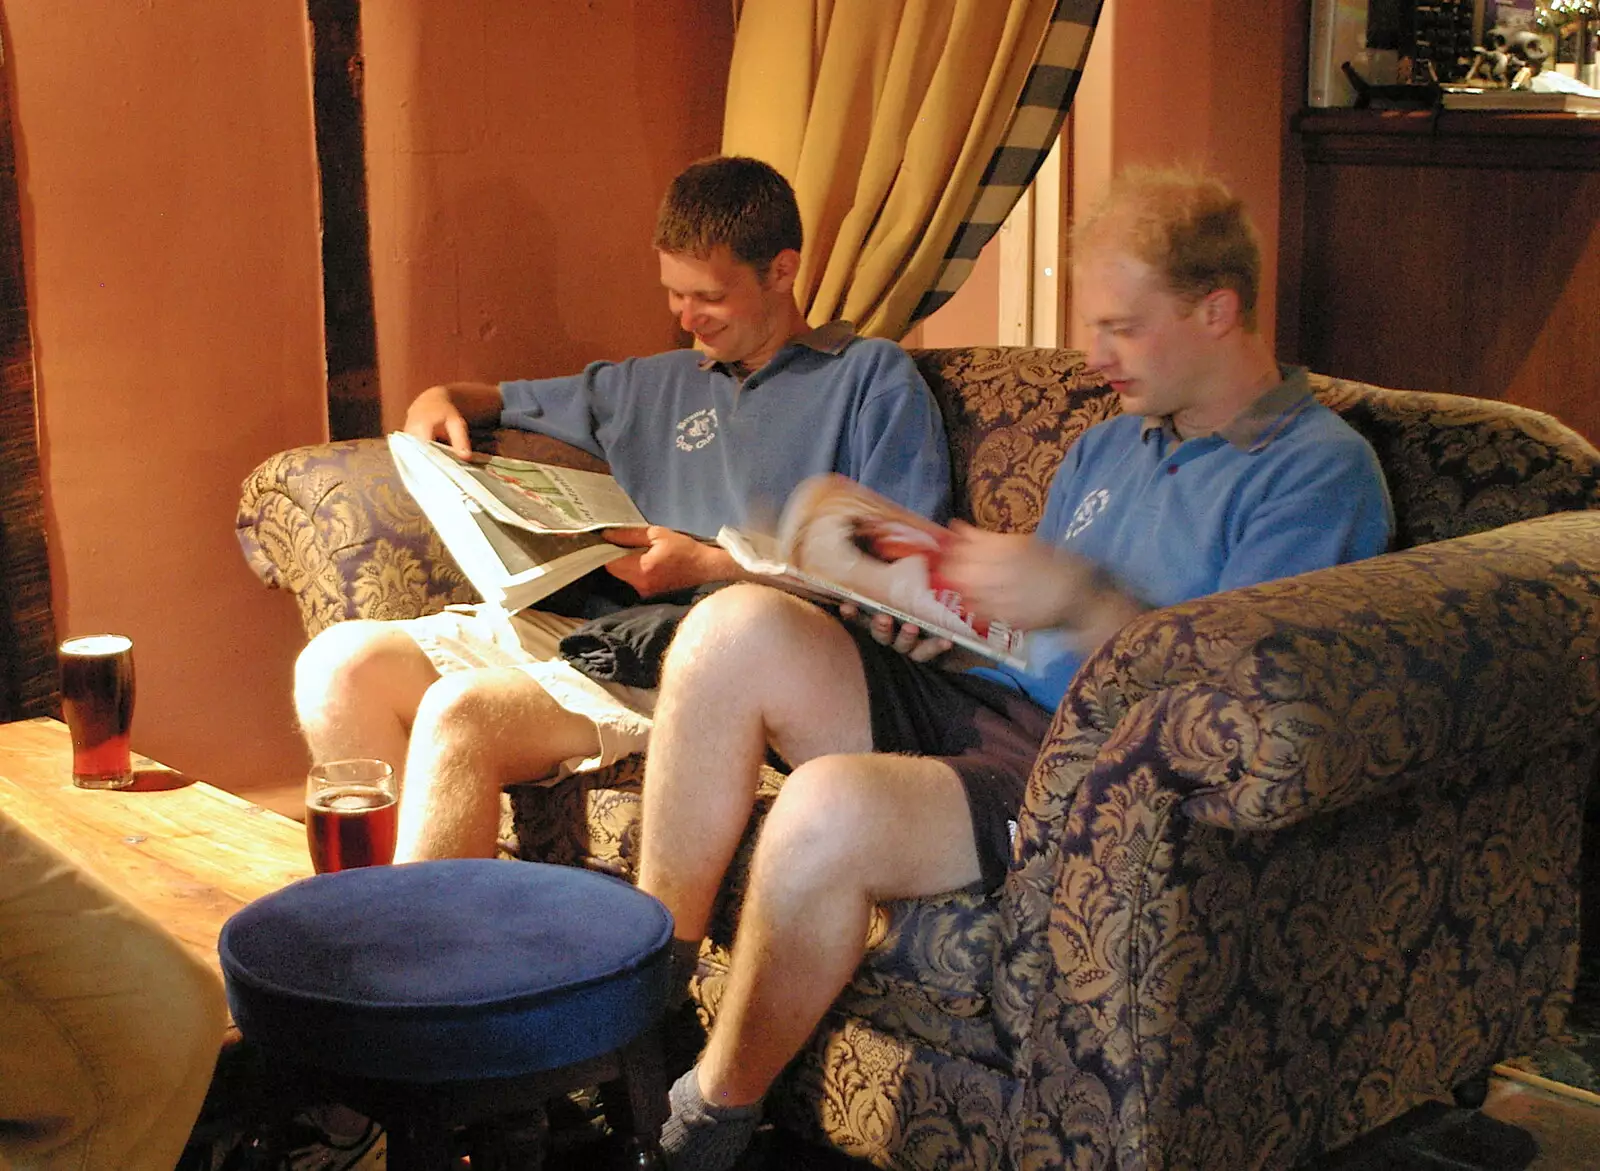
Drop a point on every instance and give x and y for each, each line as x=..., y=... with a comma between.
x=839, y=541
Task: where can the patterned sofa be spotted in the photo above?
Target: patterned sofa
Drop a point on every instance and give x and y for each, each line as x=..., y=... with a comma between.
x=1292, y=859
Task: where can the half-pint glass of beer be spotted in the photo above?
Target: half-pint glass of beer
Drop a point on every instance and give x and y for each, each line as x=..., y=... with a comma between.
x=352, y=814
x=97, y=701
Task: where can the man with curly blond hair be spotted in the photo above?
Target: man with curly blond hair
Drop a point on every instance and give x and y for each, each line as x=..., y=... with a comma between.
x=906, y=779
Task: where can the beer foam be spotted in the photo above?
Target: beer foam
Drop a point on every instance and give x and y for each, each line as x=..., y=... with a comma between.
x=97, y=644
x=359, y=802
x=352, y=799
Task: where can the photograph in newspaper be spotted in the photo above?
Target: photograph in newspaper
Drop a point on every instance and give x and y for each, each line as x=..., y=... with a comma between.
x=837, y=540
x=534, y=496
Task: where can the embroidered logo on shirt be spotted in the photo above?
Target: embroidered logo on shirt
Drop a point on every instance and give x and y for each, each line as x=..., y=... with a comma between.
x=1083, y=516
x=696, y=429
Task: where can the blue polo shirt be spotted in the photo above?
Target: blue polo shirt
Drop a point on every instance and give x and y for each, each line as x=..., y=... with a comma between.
x=1284, y=488
x=696, y=447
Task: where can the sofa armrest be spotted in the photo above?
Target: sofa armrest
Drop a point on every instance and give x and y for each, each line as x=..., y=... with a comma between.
x=1302, y=697
x=539, y=448
x=1277, y=834
x=332, y=524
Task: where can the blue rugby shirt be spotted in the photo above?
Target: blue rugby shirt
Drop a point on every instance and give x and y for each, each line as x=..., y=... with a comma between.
x=1285, y=488
x=695, y=449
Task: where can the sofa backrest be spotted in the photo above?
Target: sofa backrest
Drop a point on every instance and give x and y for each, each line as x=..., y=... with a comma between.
x=1455, y=465
x=1011, y=413
x=1459, y=465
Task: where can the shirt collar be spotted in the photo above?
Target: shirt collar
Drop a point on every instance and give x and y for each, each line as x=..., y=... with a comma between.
x=1259, y=423
x=830, y=339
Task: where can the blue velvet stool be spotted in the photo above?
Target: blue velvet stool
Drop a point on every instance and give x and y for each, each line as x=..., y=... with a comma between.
x=446, y=997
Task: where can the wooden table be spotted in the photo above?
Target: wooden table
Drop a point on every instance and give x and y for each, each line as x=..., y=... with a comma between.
x=185, y=853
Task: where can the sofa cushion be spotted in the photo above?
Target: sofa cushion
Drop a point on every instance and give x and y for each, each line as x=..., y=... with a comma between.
x=929, y=971
x=333, y=525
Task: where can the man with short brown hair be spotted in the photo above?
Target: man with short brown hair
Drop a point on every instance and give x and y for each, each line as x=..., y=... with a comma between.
x=468, y=701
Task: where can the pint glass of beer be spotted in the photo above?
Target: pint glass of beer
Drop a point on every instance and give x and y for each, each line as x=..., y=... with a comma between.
x=352, y=814
x=97, y=701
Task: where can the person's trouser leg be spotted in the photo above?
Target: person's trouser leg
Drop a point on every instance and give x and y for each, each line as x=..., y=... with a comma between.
x=109, y=1027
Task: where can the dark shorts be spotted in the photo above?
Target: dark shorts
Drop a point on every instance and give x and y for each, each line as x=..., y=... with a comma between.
x=989, y=733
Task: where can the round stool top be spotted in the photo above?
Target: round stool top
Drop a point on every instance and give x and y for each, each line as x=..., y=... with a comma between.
x=447, y=971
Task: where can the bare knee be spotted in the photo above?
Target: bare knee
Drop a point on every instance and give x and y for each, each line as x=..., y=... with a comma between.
x=457, y=710
x=172, y=1031
x=500, y=722
x=815, y=839
x=738, y=633
x=760, y=658
x=361, y=661
x=196, y=1016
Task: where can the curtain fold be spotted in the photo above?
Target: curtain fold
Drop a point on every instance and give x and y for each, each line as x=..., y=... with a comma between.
x=909, y=129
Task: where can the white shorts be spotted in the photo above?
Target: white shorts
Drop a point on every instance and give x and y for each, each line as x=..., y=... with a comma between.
x=464, y=638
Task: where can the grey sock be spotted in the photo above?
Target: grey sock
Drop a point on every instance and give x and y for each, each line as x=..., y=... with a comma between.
x=701, y=1137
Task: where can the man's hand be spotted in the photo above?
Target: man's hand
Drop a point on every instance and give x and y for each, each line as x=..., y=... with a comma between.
x=449, y=410
x=1012, y=577
x=668, y=560
x=1033, y=586
x=907, y=637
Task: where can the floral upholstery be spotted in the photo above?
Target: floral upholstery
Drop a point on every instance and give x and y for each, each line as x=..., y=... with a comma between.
x=333, y=525
x=1292, y=858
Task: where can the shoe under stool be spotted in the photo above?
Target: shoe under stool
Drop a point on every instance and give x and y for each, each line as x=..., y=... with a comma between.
x=449, y=1000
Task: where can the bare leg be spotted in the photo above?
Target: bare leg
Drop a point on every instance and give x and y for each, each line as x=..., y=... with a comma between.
x=366, y=688
x=357, y=686
x=849, y=829
x=721, y=704
x=845, y=833
x=476, y=732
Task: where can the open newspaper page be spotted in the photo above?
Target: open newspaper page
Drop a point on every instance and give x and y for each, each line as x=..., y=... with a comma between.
x=541, y=498
x=838, y=541
x=519, y=530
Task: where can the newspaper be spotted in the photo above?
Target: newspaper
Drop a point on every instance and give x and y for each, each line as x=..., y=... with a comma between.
x=838, y=541
x=518, y=529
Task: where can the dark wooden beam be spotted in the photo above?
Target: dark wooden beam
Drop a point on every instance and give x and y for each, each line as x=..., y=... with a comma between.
x=351, y=334
x=29, y=683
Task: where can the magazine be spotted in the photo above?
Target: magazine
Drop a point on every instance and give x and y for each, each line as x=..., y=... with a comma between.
x=838, y=541
x=518, y=529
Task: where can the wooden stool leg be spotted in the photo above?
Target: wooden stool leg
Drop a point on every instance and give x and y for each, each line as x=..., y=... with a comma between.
x=636, y=1104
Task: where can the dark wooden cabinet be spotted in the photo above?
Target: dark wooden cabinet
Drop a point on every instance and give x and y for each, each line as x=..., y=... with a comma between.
x=1457, y=251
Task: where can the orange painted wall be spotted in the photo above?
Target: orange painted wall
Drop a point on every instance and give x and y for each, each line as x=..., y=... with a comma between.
x=171, y=226
x=169, y=204
x=517, y=153
x=1199, y=82
x=972, y=316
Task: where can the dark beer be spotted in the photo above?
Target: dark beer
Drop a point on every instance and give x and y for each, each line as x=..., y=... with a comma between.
x=97, y=703
x=351, y=825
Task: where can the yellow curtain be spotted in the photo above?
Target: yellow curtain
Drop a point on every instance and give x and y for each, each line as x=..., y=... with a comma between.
x=885, y=115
